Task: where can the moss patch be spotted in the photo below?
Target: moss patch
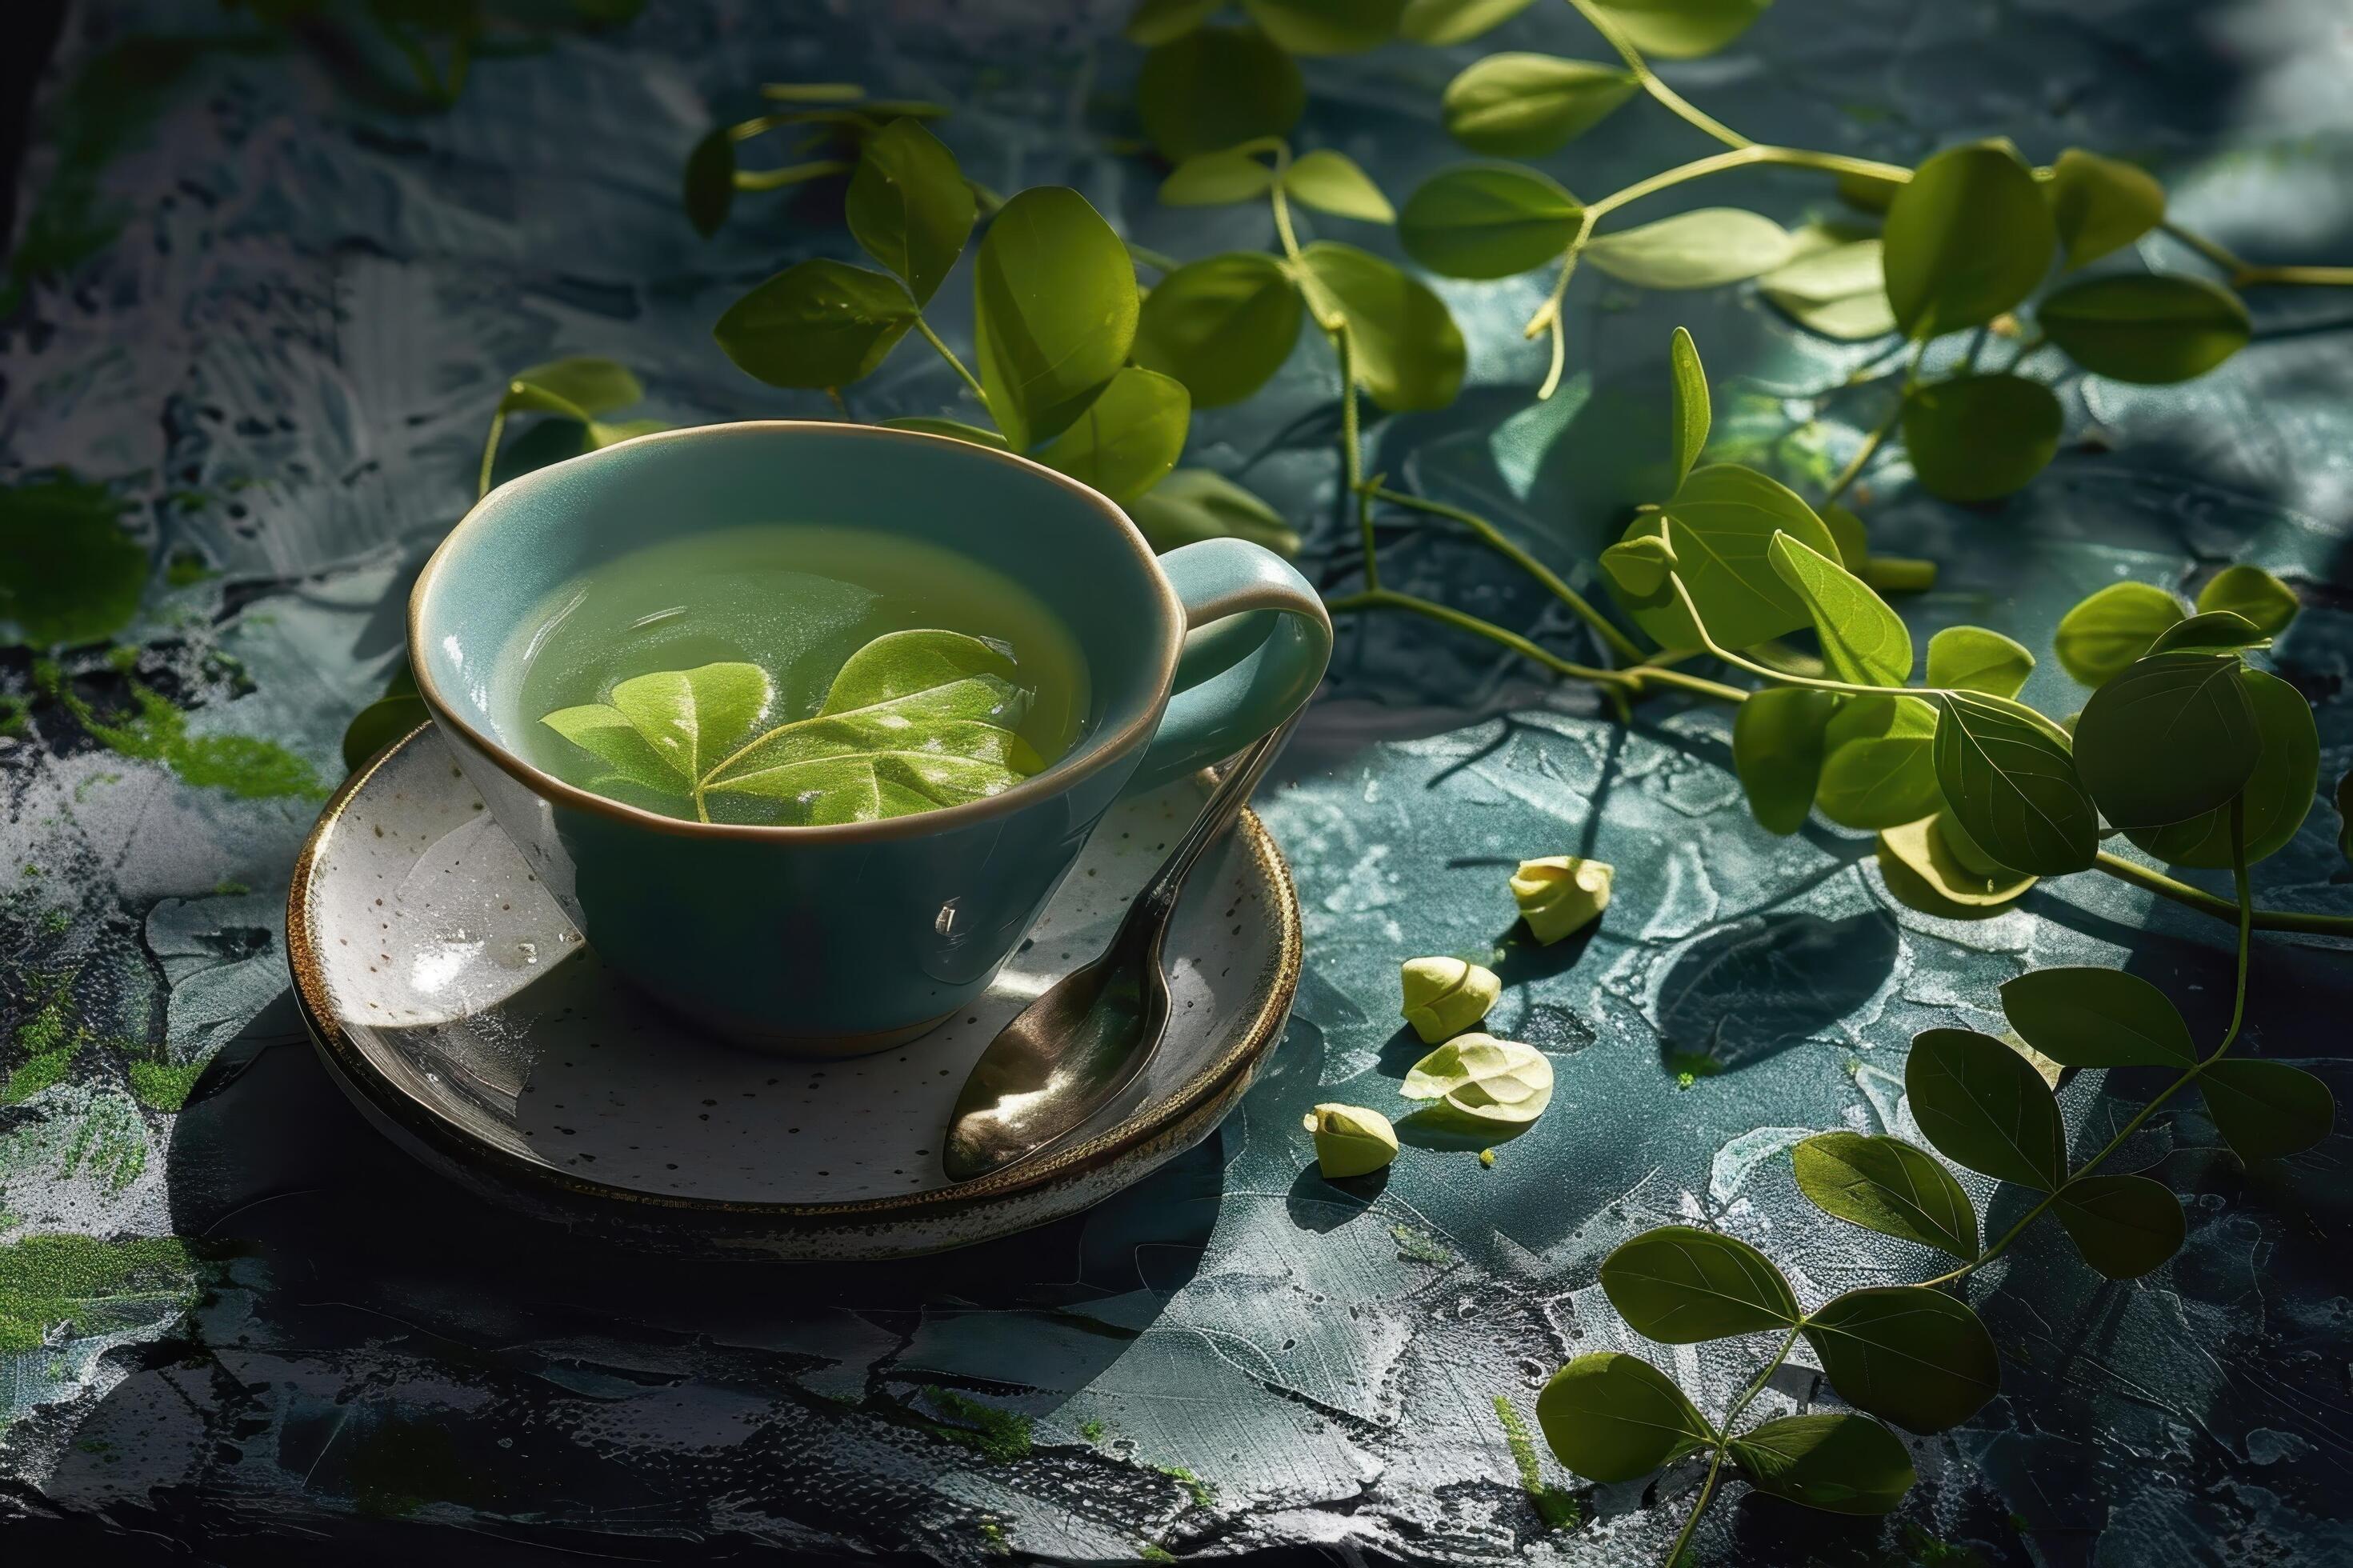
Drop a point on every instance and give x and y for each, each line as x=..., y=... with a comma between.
x=97, y=1286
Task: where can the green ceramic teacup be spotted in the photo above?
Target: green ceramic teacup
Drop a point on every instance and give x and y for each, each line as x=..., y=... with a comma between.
x=834, y=940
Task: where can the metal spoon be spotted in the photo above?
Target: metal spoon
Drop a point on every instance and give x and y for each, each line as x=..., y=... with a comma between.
x=1071, y=1050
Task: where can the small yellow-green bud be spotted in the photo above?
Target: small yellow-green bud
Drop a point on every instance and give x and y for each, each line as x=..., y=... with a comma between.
x=1487, y=1158
x=1444, y=996
x=1351, y=1141
x=1481, y=1076
x=1561, y=894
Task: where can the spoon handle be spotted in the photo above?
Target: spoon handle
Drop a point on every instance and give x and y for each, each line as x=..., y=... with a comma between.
x=1148, y=917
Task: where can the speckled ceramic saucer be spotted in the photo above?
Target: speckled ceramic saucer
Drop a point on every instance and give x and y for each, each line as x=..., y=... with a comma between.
x=456, y=1005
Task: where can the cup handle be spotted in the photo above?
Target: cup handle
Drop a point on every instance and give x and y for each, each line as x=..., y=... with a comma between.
x=1256, y=640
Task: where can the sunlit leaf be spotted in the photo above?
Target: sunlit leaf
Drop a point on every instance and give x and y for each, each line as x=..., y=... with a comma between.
x=2210, y=631
x=1934, y=866
x=2267, y=1110
x=575, y=388
x=1614, y=1417
x=1967, y=238
x=1906, y=1354
x=2100, y=205
x=1515, y=105
x=1681, y=29
x=1129, y=436
x=1330, y=181
x=1214, y=87
x=1194, y=504
x=1679, y=1285
x=1217, y=179
x=2087, y=1017
x=1487, y=222
x=2009, y=782
x=1840, y=1464
x=2124, y=1225
x=1222, y=325
x=1971, y=659
x=1444, y=22
x=1700, y=249
x=2249, y=590
x=1838, y=292
x=2172, y=738
x=1327, y=26
x=1885, y=1184
x=1776, y=750
x=2277, y=796
x=1409, y=354
x=1984, y=1108
x=1721, y=522
x=1978, y=438
x=1055, y=311
x=817, y=323
x=908, y=206
x=1863, y=640
x=2103, y=634
x=2140, y=327
x=1691, y=406
x=1878, y=768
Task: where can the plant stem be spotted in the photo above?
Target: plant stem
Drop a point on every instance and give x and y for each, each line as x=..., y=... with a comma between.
x=490, y=450
x=1723, y=1435
x=1871, y=443
x=1666, y=95
x=1741, y=157
x=2153, y=880
x=2250, y=274
x=1634, y=682
x=789, y=174
x=1494, y=537
x=948, y=354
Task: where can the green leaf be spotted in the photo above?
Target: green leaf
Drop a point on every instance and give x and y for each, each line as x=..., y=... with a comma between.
x=2082, y=1017
x=2101, y=636
x=908, y=206
x=1840, y=1464
x=1129, y=436
x=2144, y=327
x=1983, y=1107
x=708, y=186
x=67, y=572
x=1692, y=413
x=2100, y=205
x=2249, y=590
x=1410, y=352
x=668, y=729
x=1934, y=866
x=1692, y=250
x=379, y=724
x=1444, y=22
x=1055, y=311
x=1863, y=640
x=1614, y=1417
x=1163, y=21
x=2172, y=738
x=1967, y=238
x=817, y=323
x=1222, y=325
x=1327, y=26
x=1887, y=1185
x=2278, y=793
x=1978, y=438
x=1515, y=105
x=1846, y=528
x=1484, y=1077
x=1330, y=181
x=1878, y=767
x=1487, y=222
x=1217, y=179
x=956, y=429
x=2265, y=1110
x=1776, y=750
x=1680, y=1286
x=2124, y=1225
x=1907, y=1353
x=601, y=434
x=1194, y=504
x=2210, y=631
x=1839, y=292
x=1721, y=522
x=1681, y=29
x=2011, y=784
x=916, y=720
x=1971, y=659
x=575, y=388
x=1215, y=87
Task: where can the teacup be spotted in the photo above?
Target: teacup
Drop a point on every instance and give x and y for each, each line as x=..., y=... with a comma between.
x=836, y=940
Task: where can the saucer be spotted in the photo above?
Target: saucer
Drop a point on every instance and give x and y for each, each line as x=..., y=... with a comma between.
x=458, y=1006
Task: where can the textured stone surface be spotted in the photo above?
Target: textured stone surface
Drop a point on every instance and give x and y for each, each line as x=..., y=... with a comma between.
x=281, y=348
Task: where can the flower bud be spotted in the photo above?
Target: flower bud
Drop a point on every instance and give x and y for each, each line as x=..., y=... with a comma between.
x=1561, y=894
x=1444, y=996
x=1350, y=1141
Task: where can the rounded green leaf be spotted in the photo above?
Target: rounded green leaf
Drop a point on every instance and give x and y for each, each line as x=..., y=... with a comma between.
x=1194, y=504
x=1978, y=438
x=1681, y=29
x=708, y=184
x=1837, y=1463
x=1222, y=325
x=908, y=206
x=817, y=323
x=1967, y=238
x=2210, y=631
x=2278, y=793
x=1971, y=659
x=1691, y=406
x=1863, y=640
x=2085, y=1017
x=1878, y=767
x=955, y=429
x=2172, y=738
x=2146, y=328
x=1908, y=1355
x=2100, y=205
x=2124, y=1225
x=2010, y=783
x=379, y=724
x=1699, y=250
x=1055, y=311
x=1984, y=1108
x=1330, y=181
x=1128, y=437
x=1487, y=222
x=575, y=388
x=2266, y=602
x=1515, y=105
x=1217, y=179
x=1327, y=26
x=1615, y=1417
x=1887, y=1185
x=1934, y=866
x=1776, y=750
x=1163, y=21
x=1720, y=524
x=1679, y=1285
x=1214, y=87
x=1409, y=351
x=1444, y=22
x=2265, y=1110
x=1839, y=292
x=2101, y=636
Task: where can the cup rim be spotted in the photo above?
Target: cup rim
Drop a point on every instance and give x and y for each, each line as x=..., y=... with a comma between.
x=1095, y=754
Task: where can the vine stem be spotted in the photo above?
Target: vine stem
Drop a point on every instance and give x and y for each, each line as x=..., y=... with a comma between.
x=1494, y=537
x=1723, y=1441
x=1743, y=156
x=2246, y=274
x=948, y=354
x=490, y=450
x=1878, y=438
x=1675, y=101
